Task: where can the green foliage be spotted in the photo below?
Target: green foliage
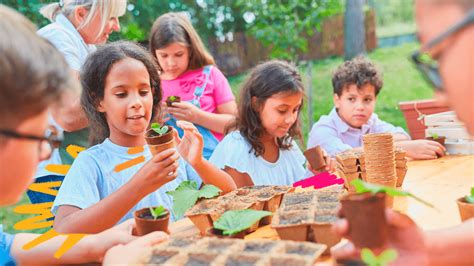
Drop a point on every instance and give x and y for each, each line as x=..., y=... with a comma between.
x=364, y=187
x=187, y=193
x=435, y=136
x=235, y=221
x=369, y=258
x=159, y=129
x=173, y=98
x=284, y=25
x=470, y=198
x=158, y=212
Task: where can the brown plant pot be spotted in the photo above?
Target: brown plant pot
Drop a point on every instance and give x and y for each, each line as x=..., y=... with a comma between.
x=315, y=157
x=145, y=223
x=201, y=221
x=323, y=234
x=366, y=216
x=271, y=205
x=152, y=138
x=466, y=209
x=213, y=232
x=156, y=149
x=293, y=232
x=170, y=102
x=441, y=140
x=411, y=111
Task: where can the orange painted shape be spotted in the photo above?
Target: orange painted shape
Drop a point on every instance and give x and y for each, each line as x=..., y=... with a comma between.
x=46, y=187
x=61, y=169
x=74, y=150
x=70, y=241
x=135, y=150
x=40, y=239
x=35, y=222
x=129, y=163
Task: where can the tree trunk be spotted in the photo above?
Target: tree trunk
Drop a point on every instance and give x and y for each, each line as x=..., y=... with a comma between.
x=354, y=30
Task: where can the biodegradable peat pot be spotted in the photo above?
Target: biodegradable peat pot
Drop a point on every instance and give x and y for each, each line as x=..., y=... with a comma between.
x=466, y=209
x=172, y=99
x=315, y=157
x=293, y=232
x=145, y=223
x=366, y=216
x=323, y=234
x=201, y=221
x=213, y=232
x=158, y=143
x=441, y=140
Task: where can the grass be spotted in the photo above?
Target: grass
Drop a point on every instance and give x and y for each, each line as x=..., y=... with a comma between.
x=401, y=83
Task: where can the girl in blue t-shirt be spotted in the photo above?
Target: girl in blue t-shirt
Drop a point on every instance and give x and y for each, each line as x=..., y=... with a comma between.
x=107, y=182
x=262, y=150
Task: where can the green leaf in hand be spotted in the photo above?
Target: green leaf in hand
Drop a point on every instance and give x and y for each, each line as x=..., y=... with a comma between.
x=235, y=221
x=187, y=193
x=369, y=258
x=157, y=212
x=364, y=187
x=470, y=198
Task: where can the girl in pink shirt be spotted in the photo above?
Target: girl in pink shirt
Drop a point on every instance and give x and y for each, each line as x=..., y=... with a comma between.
x=187, y=70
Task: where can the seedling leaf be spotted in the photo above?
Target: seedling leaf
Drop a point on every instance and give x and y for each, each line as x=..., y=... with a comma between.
x=470, y=198
x=363, y=187
x=369, y=258
x=235, y=221
x=187, y=193
x=157, y=212
x=159, y=129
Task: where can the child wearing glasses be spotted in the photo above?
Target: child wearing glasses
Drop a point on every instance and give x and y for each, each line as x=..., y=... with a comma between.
x=356, y=84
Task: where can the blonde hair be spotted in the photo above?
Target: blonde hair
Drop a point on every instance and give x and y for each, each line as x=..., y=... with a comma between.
x=176, y=27
x=106, y=8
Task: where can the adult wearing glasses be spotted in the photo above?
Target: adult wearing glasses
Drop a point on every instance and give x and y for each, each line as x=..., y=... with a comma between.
x=77, y=27
x=29, y=84
x=446, y=59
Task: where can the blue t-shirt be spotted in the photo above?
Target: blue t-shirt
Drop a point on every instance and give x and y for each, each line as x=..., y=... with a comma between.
x=6, y=241
x=94, y=175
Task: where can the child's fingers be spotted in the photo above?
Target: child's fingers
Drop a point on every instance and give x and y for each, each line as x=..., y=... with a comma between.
x=186, y=126
x=170, y=155
x=176, y=136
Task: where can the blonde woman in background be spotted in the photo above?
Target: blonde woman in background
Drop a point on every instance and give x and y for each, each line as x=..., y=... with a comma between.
x=77, y=27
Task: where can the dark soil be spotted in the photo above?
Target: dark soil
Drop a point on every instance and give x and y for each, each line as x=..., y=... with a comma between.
x=258, y=246
x=241, y=261
x=162, y=256
x=301, y=250
x=180, y=242
x=200, y=259
x=294, y=198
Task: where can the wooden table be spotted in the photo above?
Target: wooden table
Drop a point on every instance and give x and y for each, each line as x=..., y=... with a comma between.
x=439, y=182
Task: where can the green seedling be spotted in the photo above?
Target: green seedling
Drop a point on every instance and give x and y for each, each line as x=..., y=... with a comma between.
x=172, y=98
x=363, y=187
x=470, y=198
x=157, y=212
x=369, y=258
x=160, y=130
x=236, y=221
x=187, y=194
x=435, y=136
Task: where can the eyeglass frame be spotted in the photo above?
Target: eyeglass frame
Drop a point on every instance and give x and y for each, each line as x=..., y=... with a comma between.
x=53, y=141
x=431, y=71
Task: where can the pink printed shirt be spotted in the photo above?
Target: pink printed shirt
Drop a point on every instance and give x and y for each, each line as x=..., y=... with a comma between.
x=217, y=90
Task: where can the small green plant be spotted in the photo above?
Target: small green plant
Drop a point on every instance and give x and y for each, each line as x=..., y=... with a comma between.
x=187, y=193
x=363, y=187
x=160, y=130
x=235, y=221
x=369, y=258
x=157, y=212
x=435, y=136
x=172, y=98
x=470, y=198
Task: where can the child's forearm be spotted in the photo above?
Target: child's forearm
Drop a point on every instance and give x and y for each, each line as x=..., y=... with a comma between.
x=102, y=215
x=400, y=137
x=215, y=176
x=214, y=122
x=84, y=251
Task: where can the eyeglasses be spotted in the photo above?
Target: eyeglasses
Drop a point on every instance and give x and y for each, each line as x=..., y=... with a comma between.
x=429, y=66
x=46, y=144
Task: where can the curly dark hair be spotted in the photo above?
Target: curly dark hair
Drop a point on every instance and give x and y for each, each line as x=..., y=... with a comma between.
x=358, y=71
x=94, y=73
x=266, y=80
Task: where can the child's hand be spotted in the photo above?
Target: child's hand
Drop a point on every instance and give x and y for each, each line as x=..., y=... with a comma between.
x=161, y=169
x=191, y=145
x=422, y=149
x=330, y=164
x=164, y=114
x=184, y=111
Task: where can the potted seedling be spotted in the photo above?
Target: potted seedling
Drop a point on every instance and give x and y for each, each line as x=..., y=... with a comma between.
x=234, y=223
x=315, y=158
x=172, y=99
x=466, y=206
x=365, y=212
x=151, y=219
x=159, y=138
x=437, y=138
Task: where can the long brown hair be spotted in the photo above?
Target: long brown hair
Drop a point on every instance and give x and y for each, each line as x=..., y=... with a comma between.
x=266, y=80
x=176, y=27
